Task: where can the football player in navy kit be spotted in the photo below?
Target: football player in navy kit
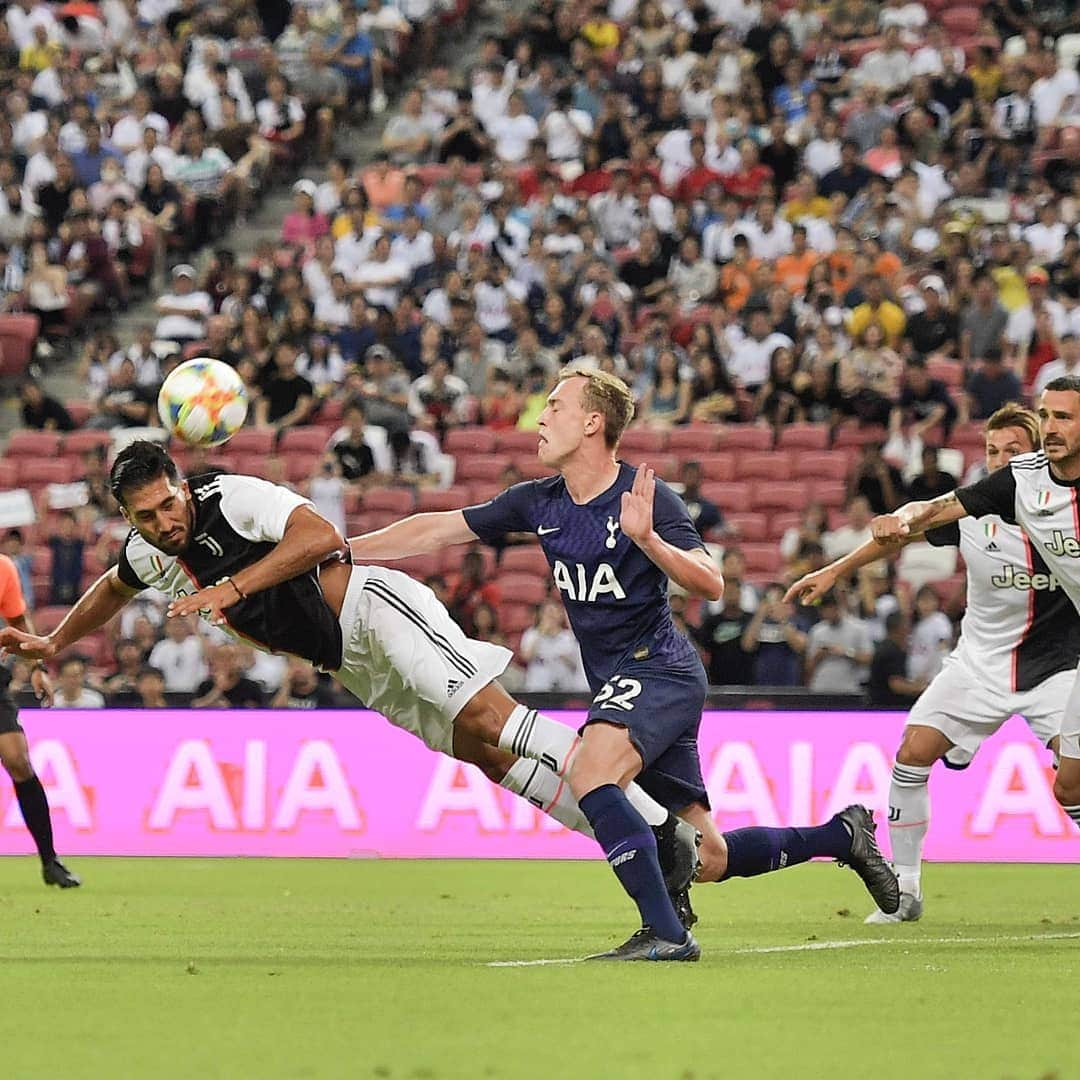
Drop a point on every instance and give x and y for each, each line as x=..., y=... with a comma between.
x=258, y=560
x=613, y=537
x=1040, y=492
x=1019, y=646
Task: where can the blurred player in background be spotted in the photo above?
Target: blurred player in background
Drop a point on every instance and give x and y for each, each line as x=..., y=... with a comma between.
x=1019, y=645
x=613, y=537
x=14, y=751
x=1038, y=492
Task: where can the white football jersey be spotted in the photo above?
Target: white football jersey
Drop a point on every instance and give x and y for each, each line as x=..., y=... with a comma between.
x=1019, y=621
x=1045, y=565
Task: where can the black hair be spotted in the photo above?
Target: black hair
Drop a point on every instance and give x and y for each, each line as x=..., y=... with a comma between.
x=893, y=621
x=1064, y=382
x=140, y=463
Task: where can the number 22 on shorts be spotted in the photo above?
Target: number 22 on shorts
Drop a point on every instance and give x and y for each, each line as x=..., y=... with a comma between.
x=628, y=689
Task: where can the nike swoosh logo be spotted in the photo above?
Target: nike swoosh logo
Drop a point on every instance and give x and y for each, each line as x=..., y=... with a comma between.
x=545, y=530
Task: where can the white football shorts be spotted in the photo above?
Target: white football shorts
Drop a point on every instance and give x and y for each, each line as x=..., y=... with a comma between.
x=966, y=711
x=404, y=657
x=1070, y=723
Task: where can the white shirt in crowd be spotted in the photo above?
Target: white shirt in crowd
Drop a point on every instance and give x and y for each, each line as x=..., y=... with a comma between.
x=180, y=662
x=196, y=308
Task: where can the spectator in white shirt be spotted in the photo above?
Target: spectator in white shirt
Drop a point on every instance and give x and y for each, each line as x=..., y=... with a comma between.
x=414, y=244
x=382, y=276
x=615, y=211
x=1068, y=363
x=183, y=311
x=773, y=236
x=513, y=132
x=565, y=128
x=410, y=134
x=888, y=67
x=1047, y=235
x=71, y=689
x=751, y=354
x=128, y=130
x=179, y=657
x=551, y=652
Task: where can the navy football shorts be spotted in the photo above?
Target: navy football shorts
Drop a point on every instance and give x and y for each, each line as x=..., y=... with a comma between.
x=659, y=702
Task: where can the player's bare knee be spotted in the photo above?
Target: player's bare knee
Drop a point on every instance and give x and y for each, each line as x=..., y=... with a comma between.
x=921, y=746
x=606, y=756
x=18, y=766
x=1067, y=790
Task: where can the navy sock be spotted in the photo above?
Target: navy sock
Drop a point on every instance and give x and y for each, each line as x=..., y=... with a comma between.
x=760, y=851
x=35, y=811
x=630, y=848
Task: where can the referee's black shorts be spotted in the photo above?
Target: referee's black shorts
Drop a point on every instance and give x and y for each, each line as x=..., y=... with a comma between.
x=9, y=714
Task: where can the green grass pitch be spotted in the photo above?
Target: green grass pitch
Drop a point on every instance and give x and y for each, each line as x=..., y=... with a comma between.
x=239, y=969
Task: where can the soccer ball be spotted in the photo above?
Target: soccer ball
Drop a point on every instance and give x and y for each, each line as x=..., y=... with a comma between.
x=203, y=402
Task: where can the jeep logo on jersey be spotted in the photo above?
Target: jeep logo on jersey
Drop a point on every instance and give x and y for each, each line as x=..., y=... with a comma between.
x=577, y=586
x=1060, y=544
x=1011, y=578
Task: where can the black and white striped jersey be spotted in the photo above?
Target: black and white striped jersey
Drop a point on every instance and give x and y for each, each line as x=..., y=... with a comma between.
x=1038, y=565
x=238, y=520
x=1019, y=626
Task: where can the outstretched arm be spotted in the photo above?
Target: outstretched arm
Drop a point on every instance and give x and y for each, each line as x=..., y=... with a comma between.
x=810, y=588
x=92, y=611
x=419, y=534
x=309, y=539
x=917, y=517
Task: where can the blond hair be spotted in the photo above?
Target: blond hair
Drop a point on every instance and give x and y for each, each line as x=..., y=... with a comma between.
x=606, y=394
x=1014, y=415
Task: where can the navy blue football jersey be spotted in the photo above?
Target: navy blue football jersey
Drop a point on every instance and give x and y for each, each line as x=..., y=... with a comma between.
x=615, y=595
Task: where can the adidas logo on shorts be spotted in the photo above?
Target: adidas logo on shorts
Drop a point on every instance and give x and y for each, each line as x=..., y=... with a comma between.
x=453, y=686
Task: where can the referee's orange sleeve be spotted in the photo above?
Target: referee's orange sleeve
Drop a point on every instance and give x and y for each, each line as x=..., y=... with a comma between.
x=12, y=602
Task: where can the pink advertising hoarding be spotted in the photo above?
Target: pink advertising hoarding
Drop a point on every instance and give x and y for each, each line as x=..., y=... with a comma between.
x=347, y=784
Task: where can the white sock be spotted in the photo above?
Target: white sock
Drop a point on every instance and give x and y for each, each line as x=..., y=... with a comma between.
x=1074, y=813
x=550, y=793
x=646, y=805
x=529, y=734
x=909, y=820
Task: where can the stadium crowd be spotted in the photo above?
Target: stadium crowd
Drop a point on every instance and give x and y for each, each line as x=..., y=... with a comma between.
x=807, y=234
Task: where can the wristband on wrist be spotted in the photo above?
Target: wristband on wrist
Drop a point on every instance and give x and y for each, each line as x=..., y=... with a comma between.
x=239, y=592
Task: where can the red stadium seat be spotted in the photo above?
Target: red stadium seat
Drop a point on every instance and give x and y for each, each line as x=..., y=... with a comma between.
x=745, y=437
x=469, y=440
x=748, y=526
x=47, y=619
x=515, y=442
x=960, y=20
x=302, y=440
x=830, y=493
x=853, y=435
x=696, y=439
x=643, y=441
x=79, y=442
x=18, y=335
x=717, y=466
x=666, y=466
x=514, y=618
x=9, y=475
x=804, y=437
x=35, y=473
x=781, y=496
x=451, y=558
x=525, y=559
x=532, y=468
x=79, y=411
x=773, y=465
x=780, y=523
x=399, y=501
x=418, y=567
x=731, y=498
x=451, y=498
x=255, y=441
x=762, y=558
x=479, y=467
x=300, y=466
x=33, y=444
x=824, y=465
x=480, y=491
x=522, y=588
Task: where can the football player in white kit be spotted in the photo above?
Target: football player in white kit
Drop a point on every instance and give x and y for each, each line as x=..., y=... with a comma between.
x=1039, y=492
x=1017, y=655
